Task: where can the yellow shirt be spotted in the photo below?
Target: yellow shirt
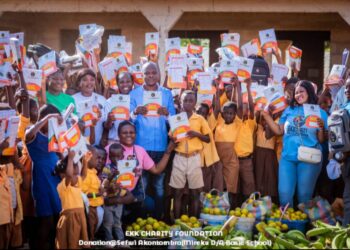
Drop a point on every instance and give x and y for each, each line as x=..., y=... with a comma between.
x=261, y=140
x=70, y=196
x=209, y=153
x=22, y=126
x=244, y=145
x=227, y=132
x=212, y=121
x=91, y=184
x=200, y=125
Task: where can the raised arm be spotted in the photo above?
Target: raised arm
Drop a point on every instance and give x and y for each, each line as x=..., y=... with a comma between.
x=31, y=133
x=239, y=99
x=161, y=165
x=275, y=128
x=71, y=179
x=250, y=99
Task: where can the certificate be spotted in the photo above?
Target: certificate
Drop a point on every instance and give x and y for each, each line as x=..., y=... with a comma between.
x=151, y=44
x=228, y=69
x=172, y=47
x=121, y=107
x=88, y=111
x=336, y=74
x=312, y=113
x=126, y=177
x=275, y=97
x=195, y=66
x=251, y=48
x=278, y=72
x=109, y=68
x=295, y=56
x=205, y=83
x=75, y=142
x=231, y=41
x=47, y=63
x=137, y=74
x=244, y=69
x=176, y=78
x=152, y=100
x=179, y=126
x=116, y=45
x=268, y=40
x=33, y=78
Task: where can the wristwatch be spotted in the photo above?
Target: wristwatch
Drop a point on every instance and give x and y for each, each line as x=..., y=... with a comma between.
x=135, y=199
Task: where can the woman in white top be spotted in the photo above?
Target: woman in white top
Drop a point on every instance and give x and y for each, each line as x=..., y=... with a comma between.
x=86, y=82
x=125, y=85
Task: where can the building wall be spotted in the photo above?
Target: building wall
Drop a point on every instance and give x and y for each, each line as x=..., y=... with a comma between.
x=46, y=27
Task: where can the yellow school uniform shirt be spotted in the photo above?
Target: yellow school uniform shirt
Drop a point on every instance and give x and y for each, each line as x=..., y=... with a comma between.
x=261, y=140
x=189, y=146
x=227, y=132
x=91, y=184
x=212, y=121
x=70, y=195
x=209, y=154
x=24, y=122
x=244, y=145
x=278, y=143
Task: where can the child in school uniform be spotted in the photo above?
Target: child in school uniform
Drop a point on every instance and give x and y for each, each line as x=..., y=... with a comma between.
x=112, y=224
x=244, y=146
x=265, y=162
x=72, y=225
x=6, y=215
x=212, y=171
x=187, y=159
x=91, y=186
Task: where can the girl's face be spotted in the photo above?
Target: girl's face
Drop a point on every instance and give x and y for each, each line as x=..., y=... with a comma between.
x=203, y=111
x=288, y=93
x=125, y=83
x=151, y=75
x=229, y=115
x=127, y=135
x=87, y=85
x=56, y=82
x=347, y=90
x=101, y=158
x=116, y=155
x=301, y=95
x=188, y=102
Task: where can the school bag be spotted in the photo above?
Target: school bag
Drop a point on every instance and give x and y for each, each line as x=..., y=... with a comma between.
x=339, y=130
x=261, y=71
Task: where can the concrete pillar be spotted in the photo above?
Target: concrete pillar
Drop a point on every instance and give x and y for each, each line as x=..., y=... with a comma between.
x=162, y=20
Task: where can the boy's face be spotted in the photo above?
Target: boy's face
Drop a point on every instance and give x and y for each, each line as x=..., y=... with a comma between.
x=347, y=89
x=188, y=102
x=115, y=155
x=101, y=158
x=203, y=111
x=229, y=115
x=228, y=91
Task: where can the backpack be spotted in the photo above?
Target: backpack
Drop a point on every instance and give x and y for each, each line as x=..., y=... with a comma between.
x=261, y=71
x=339, y=130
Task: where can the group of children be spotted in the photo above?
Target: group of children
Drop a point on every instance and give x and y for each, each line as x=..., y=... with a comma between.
x=230, y=147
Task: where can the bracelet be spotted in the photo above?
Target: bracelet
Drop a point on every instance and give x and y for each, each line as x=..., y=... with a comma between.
x=94, y=195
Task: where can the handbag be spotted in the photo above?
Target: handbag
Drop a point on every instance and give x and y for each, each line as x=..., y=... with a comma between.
x=318, y=209
x=308, y=154
x=259, y=206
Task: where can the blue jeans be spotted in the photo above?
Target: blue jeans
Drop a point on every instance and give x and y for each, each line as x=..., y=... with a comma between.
x=299, y=175
x=112, y=224
x=157, y=184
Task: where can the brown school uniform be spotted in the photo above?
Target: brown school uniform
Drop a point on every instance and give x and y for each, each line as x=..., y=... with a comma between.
x=244, y=147
x=225, y=138
x=265, y=164
x=72, y=225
